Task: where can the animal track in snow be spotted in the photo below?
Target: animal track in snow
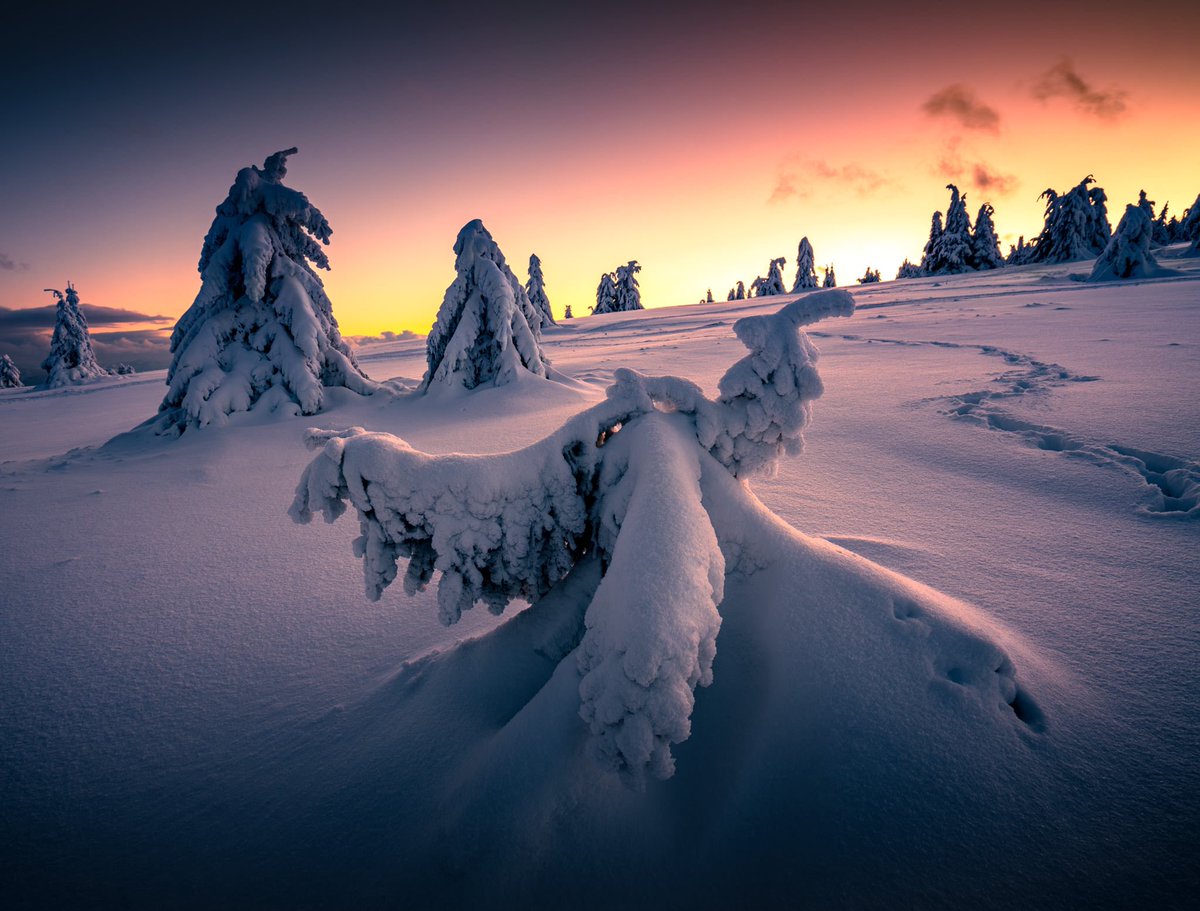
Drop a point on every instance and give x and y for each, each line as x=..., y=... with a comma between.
x=1171, y=485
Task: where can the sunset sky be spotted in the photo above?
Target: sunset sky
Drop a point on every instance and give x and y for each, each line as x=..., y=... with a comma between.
x=700, y=140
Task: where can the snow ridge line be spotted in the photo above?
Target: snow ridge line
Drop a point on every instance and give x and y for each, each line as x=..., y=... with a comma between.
x=1170, y=485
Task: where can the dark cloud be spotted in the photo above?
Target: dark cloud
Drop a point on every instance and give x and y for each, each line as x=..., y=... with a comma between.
x=960, y=103
x=1063, y=81
x=8, y=264
x=25, y=337
x=986, y=179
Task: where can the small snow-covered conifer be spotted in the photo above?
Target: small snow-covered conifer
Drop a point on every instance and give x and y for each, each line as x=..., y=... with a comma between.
x=261, y=332
x=773, y=284
x=985, y=246
x=1076, y=224
x=71, y=359
x=740, y=294
x=935, y=236
x=1128, y=252
x=830, y=279
x=757, y=286
x=1163, y=229
x=606, y=295
x=487, y=331
x=535, y=288
x=909, y=270
x=1020, y=253
x=1146, y=205
x=870, y=277
x=1189, y=228
x=567, y=314
x=628, y=294
x=124, y=370
x=10, y=376
x=709, y=298
x=806, y=273
x=952, y=252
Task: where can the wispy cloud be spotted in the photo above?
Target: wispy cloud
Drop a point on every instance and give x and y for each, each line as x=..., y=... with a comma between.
x=959, y=103
x=8, y=264
x=976, y=174
x=1063, y=81
x=798, y=179
x=785, y=188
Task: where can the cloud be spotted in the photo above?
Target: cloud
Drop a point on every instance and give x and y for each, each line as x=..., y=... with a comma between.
x=8, y=264
x=387, y=335
x=25, y=336
x=977, y=175
x=785, y=188
x=986, y=179
x=798, y=180
x=1063, y=81
x=960, y=103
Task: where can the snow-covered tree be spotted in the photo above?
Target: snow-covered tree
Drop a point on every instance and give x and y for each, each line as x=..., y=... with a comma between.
x=909, y=270
x=487, y=331
x=1128, y=252
x=935, y=237
x=614, y=521
x=10, y=376
x=806, y=273
x=773, y=284
x=535, y=289
x=628, y=294
x=1146, y=205
x=951, y=253
x=738, y=292
x=124, y=370
x=708, y=298
x=1020, y=253
x=830, y=277
x=606, y=295
x=1164, y=230
x=870, y=277
x=71, y=359
x=261, y=332
x=1076, y=224
x=567, y=314
x=1189, y=228
x=985, y=246
x=756, y=286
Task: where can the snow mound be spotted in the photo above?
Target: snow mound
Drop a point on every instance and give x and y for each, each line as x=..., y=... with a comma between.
x=620, y=481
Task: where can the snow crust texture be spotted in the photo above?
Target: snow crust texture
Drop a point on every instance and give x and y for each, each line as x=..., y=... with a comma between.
x=261, y=332
x=487, y=331
x=620, y=480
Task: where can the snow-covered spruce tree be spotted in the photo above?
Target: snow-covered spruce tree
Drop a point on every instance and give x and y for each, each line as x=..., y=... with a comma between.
x=952, y=252
x=10, y=376
x=985, y=245
x=1164, y=229
x=1020, y=253
x=708, y=298
x=773, y=284
x=606, y=295
x=628, y=294
x=935, y=236
x=124, y=370
x=625, y=508
x=806, y=273
x=756, y=287
x=909, y=270
x=739, y=293
x=535, y=289
x=1146, y=205
x=567, y=314
x=870, y=277
x=1076, y=224
x=71, y=359
x=830, y=279
x=1128, y=252
x=1189, y=228
x=487, y=332
x=261, y=332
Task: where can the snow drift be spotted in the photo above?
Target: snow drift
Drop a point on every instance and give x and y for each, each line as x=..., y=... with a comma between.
x=620, y=482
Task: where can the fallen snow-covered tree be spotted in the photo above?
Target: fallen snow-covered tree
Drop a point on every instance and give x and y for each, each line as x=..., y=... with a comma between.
x=261, y=332
x=10, y=376
x=535, y=289
x=1128, y=252
x=487, y=331
x=71, y=359
x=618, y=483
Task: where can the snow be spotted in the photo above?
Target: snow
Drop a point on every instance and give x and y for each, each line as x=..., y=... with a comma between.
x=954, y=664
x=71, y=360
